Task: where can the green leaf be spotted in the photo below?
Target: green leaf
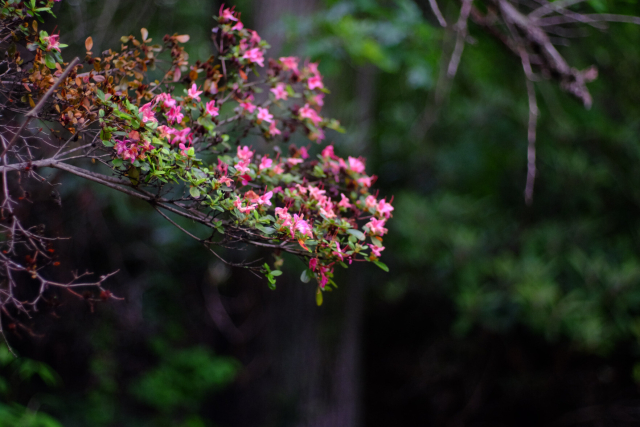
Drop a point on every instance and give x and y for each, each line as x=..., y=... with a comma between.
x=357, y=233
x=306, y=275
x=382, y=265
x=319, y=297
x=276, y=273
x=195, y=192
x=117, y=162
x=50, y=61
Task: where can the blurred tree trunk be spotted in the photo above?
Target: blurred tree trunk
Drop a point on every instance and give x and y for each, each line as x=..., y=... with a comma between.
x=311, y=355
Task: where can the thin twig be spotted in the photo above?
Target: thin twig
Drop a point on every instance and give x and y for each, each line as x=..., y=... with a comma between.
x=31, y=114
x=531, y=137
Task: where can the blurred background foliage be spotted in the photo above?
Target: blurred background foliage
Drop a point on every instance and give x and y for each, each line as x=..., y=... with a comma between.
x=495, y=313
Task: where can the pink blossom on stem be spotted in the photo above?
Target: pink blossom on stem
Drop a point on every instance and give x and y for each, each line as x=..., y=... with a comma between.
x=265, y=163
x=254, y=56
x=245, y=153
x=239, y=26
x=175, y=115
x=309, y=113
x=313, y=264
x=344, y=202
x=147, y=113
x=356, y=165
x=304, y=153
x=370, y=202
x=265, y=199
x=225, y=180
x=338, y=252
x=223, y=167
x=263, y=114
x=255, y=38
x=318, y=99
x=165, y=99
x=385, y=208
x=227, y=15
x=280, y=91
x=376, y=250
x=242, y=167
x=278, y=169
x=328, y=152
x=289, y=63
x=273, y=130
x=194, y=93
x=376, y=227
x=315, y=82
x=248, y=106
x=292, y=161
x=52, y=42
x=181, y=136
x=211, y=109
x=365, y=181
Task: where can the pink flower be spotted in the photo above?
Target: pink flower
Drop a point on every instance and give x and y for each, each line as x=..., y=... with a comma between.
x=194, y=92
x=376, y=250
x=313, y=68
x=181, y=136
x=315, y=82
x=309, y=113
x=293, y=161
x=304, y=153
x=365, y=181
x=242, y=167
x=280, y=91
x=385, y=208
x=184, y=149
x=282, y=215
x=265, y=163
x=327, y=211
x=211, y=109
x=300, y=225
x=265, y=199
x=165, y=131
x=245, y=153
x=273, y=130
x=239, y=26
x=318, y=99
x=344, y=203
x=254, y=56
x=165, y=99
x=263, y=114
x=255, y=38
x=52, y=42
x=278, y=169
x=289, y=63
x=370, y=202
x=313, y=264
x=328, y=152
x=147, y=113
x=223, y=167
x=248, y=106
x=225, y=180
x=175, y=115
x=227, y=15
x=376, y=226
x=120, y=147
x=338, y=252
x=356, y=165
x=238, y=205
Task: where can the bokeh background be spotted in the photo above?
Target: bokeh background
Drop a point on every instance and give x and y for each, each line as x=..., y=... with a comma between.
x=494, y=313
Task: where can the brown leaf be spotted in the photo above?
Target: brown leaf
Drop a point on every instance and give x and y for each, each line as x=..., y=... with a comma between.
x=144, y=33
x=88, y=43
x=99, y=78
